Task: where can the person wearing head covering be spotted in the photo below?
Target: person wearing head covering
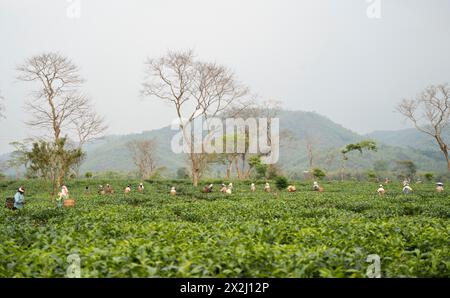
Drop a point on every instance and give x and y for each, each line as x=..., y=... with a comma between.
x=228, y=190
x=439, y=187
x=128, y=189
x=316, y=186
x=173, y=191
x=407, y=189
x=19, y=198
x=109, y=189
x=381, y=190
x=253, y=187
x=292, y=188
x=141, y=187
x=208, y=188
x=267, y=187
x=101, y=190
x=223, y=188
x=62, y=195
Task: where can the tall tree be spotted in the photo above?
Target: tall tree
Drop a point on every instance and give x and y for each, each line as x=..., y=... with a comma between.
x=196, y=90
x=430, y=114
x=360, y=146
x=311, y=142
x=52, y=161
x=143, y=154
x=57, y=105
x=248, y=111
x=405, y=169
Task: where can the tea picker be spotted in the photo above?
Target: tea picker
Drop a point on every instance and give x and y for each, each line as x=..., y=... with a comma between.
x=173, y=191
x=208, y=188
x=62, y=195
x=407, y=189
x=18, y=201
x=381, y=190
x=141, y=187
x=223, y=188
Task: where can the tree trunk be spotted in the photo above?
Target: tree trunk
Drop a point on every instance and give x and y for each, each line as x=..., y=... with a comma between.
x=195, y=178
x=342, y=170
x=236, y=163
x=447, y=159
x=444, y=149
x=229, y=166
x=194, y=170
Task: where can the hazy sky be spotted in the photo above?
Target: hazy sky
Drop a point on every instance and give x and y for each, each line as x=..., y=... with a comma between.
x=315, y=55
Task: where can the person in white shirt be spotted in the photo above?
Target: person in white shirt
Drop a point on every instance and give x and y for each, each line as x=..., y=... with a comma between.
x=173, y=191
x=381, y=190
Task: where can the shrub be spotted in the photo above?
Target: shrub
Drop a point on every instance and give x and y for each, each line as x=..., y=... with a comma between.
x=281, y=182
x=318, y=173
x=428, y=176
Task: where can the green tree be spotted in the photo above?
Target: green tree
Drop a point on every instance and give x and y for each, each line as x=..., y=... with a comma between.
x=281, y=182
x=260, y=168
x=318, y=173
x=405, y=169
x=367, y=145
x=52, y=161
x=428, y=176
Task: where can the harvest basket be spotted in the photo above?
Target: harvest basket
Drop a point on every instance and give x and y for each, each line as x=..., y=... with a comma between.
x=9, y=203
x=69, y=203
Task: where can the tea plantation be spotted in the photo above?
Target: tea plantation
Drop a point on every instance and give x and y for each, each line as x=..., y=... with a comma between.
x=303, y=234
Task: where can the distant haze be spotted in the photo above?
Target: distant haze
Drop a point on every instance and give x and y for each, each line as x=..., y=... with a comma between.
x=326, y=56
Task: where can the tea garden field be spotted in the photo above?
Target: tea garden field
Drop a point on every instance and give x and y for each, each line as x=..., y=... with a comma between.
x=303, y=234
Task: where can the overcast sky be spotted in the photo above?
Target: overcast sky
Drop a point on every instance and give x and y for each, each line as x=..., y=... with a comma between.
x=326, y=56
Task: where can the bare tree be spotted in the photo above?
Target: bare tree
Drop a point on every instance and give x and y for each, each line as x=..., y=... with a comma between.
x=143, y=153
x=195, y=89
x=311, y=142
x=57, y=105
x=270, y=109
x=252, y=109
x=88, y=126
x=430, y=114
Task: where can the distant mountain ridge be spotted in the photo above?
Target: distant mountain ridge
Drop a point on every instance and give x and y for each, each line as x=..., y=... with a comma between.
x=112, y=154
x=408, y=138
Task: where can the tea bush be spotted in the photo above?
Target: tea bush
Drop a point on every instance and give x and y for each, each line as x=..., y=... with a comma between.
x=303, y=234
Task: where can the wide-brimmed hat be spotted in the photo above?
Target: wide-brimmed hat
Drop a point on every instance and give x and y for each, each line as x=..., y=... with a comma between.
x=22, y=189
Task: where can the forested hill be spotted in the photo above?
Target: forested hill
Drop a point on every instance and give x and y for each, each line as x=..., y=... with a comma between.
x=297, y=129
x=327, y=137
